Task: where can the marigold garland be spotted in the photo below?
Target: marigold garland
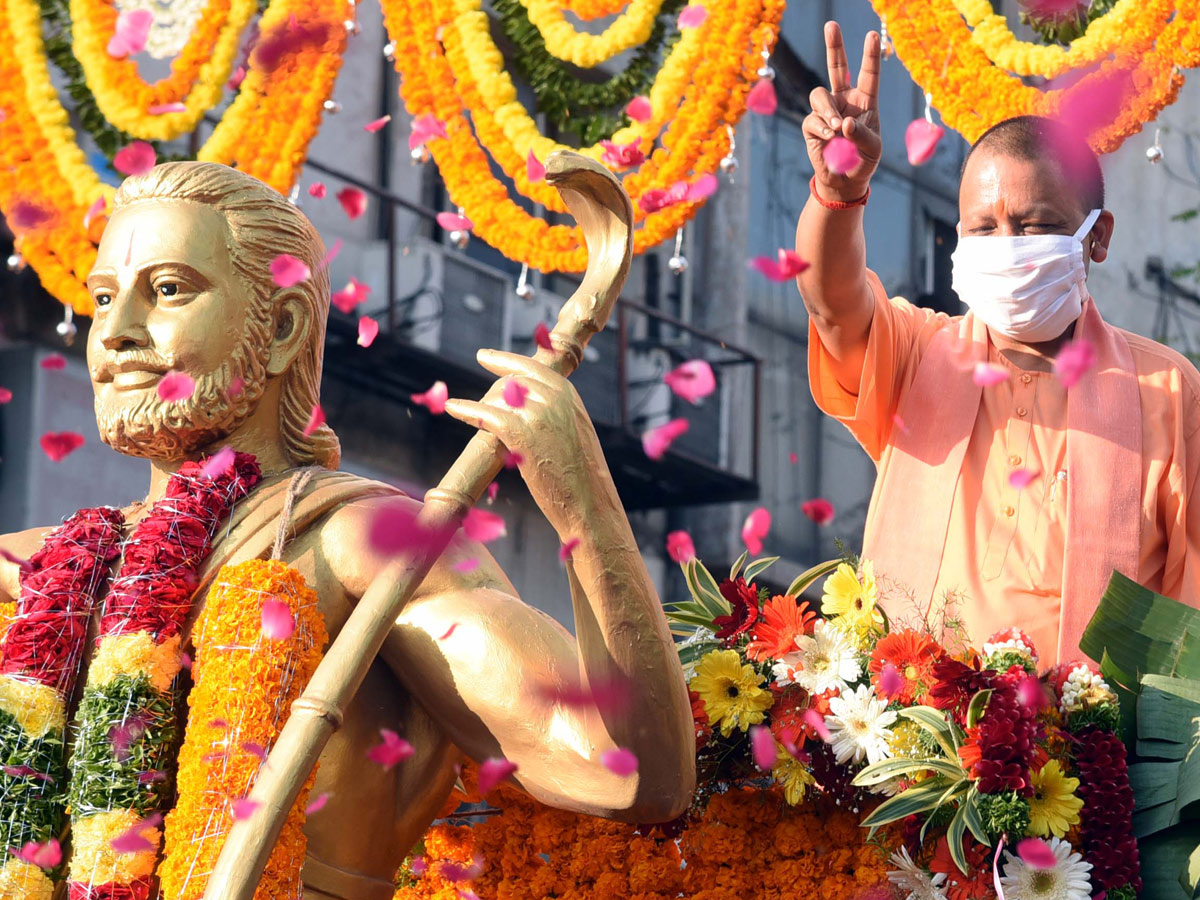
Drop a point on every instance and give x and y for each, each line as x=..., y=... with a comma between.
x=244, y=685
x=972, y=94
x=594, y=9
x=198, y=74
x=632, y=27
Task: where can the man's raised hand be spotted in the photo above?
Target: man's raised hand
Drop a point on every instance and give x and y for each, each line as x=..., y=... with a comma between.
x=845, y=111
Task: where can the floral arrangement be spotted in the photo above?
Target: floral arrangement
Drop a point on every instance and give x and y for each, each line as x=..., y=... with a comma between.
x=43, y=645
x=126, y=719
x=965, y=55
x=951, y=754
x=244, y=683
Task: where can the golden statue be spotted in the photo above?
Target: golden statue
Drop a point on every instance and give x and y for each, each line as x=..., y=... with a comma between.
x=182, y=284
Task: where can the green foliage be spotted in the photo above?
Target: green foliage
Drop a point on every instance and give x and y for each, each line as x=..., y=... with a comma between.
x=1005, y=813
x=104, y=771
x=591, y=110
x=1106, y=715
x=1124, y=892
x=31, y=809
x=1006, y=659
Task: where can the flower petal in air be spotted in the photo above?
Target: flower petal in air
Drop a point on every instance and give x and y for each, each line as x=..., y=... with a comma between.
x=454, y=222
x=534, y=170
x=287, y=271
x=921, y=139
x=53, y=362
x=1074, y=361
x=353, y=201
x=541, y=336
x=244, y=808
x=368, y=330
x=44, y=856
x=819, y=510
x=785, y=267
x=1036, y=854
x=493, y=771
x=691, y=381
x=763, y=747
x=278, y=623
x=1021, y=478
x=515, y=393
x=987, y=374
x=639, y=109
x=483, y=526
x=656, y=441
x=58, y=445
x=693, y=16
x=568, y=547
x=425, y=127
x=130, y=34
x=755, y=529
x=318, y=804
x=354, y=293
x=433, y=399
x=841, y=156
x=135, y=159
x=317, y=190
x=817, y=722
x=680, y=547
x=217, y=464
x=176, y=386
x=762, y=98
x=393, y=749
x=376, y=124
x=162, y=109
x=94, y=210
x=702, y=188
x=316, y=419
x=620, y=761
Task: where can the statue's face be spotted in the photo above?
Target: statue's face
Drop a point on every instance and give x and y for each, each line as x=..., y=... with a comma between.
x=168, y=299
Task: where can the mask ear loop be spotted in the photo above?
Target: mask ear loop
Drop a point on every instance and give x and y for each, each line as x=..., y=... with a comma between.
x=1088, y=224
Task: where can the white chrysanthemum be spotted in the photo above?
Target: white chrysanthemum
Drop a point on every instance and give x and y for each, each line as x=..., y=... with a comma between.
x=1068, y=879
x=824, y=660
x=858, y=726
x=908, y=876
x=1082, y=680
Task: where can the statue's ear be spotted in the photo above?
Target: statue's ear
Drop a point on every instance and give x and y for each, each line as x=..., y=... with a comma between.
x=292, y=325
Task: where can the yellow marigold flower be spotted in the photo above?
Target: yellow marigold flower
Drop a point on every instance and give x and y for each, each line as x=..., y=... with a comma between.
x=20, y=880
x=94, y=857
x=852, y=599
x=1054, y=806
x=37, y=707
x=793, y=776
x=136, y=654
x=732, y=692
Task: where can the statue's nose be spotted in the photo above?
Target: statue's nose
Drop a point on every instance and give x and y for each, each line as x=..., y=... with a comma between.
x=123, y=327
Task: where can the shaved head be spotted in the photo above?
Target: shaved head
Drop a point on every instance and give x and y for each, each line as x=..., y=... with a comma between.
x=1037, y=139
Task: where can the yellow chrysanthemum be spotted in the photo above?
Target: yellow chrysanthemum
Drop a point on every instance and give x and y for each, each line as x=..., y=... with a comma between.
x=792, y=774
x=905, y=740
x=136, y=654
x=1054, y=807
x=95, y=859
x=852, y=600
x=732, y=692
x=20, y=880
x=37, y=707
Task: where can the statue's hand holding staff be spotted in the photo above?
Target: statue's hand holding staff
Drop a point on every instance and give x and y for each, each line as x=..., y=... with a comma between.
x=845, y=111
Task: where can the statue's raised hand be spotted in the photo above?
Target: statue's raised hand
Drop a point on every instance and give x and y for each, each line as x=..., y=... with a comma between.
x=845, y=111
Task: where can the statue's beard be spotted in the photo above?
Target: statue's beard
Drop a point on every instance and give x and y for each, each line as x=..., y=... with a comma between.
x=156, y=429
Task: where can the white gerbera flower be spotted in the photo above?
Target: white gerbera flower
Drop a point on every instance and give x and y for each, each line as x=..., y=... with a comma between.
x=1068, y=879
x=858, y=726
x=908, y=876
x=824, y=660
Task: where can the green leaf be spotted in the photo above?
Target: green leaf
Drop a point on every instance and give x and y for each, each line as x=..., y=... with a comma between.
x=917, y=799
x=970, y=803
x=1186, y=216
x=689, y=654
x=1165, y=866
x=954, y=837
x=710, y=589
x=711, y=600
x=880, y=772
x=759, y=566
x=805, y=579
x=737, y=566
x=978, y=704
x=933, y=721
x=683, y=618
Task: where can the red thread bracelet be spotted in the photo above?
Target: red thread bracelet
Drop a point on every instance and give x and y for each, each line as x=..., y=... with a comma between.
x=836, y=204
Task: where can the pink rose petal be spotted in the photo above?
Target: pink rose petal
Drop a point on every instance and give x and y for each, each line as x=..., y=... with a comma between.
x=353, y=201
x=449, y=631
x=467, y=565
x=534, y=170
x=176, y=386
x=568, y=547
x=26, y=216
x=368, y=330
x=987, y=374
x=793, y=457
x=454, y=222
x=656, y=441
x=425, y=127
x=620, y=761
x=162, y=109
x=394, y=749
x=130, y=34
x=702, y=188
x=818, y=509
x=354, y=293
x=691, y=381
x=680, y=547
x=763, y=747
x=541, y=336
x=921, y=140
x=236, y=387
x=841, y=156
x=394, y=528
x=58, y=445
x=435, y=399
x=244, y=808
x=891, y=682
x=44, y=856
x=316, y=419
x=53, y=362
x=318, y=804
x=493, y=771
x=456, y=872
x=762, y=98
x=639, y=109
x=755, y=529
x=513, y=459
x=492, y=490
x=1074, y=361
x=418, y=866
x=817, y=722
x=785, y=267
x=317, y=190
x=1036, y=854
x=693, y=16
x=1031, y=692
x=608, y=697
x=287, y=271
x=515, y=393
x=135, y=159
x=94, y=210
x=376, y=124
x=255, y=749
x=1021, y=478
x=132, y=841
x=331, y=255
x=483, y=526
x=622, y=156
x=278, y=622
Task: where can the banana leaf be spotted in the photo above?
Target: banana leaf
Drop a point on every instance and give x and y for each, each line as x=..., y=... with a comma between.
x=1166, y=779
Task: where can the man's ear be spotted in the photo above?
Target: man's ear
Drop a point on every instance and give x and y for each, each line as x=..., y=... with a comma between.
x=1101, y=234
x=292, y=325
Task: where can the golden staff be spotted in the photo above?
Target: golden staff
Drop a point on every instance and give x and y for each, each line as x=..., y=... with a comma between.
x=603, y=210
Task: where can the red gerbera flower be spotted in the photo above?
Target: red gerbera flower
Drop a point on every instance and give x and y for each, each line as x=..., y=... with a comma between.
x=974, y=885
x=911, y=657
x=787, y=717
x=744, y=600
x=784, y=619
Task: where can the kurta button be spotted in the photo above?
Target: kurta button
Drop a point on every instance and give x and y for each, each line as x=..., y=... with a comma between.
x=1026, y=378
x=1008, y=511
x=1021, y=411
x=1014, y=460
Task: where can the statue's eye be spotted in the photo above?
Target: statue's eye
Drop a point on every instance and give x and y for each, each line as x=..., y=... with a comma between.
x=101, y=300
x=168, y=289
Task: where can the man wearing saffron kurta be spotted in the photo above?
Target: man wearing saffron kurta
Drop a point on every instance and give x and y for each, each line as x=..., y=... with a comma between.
x=1007, y=492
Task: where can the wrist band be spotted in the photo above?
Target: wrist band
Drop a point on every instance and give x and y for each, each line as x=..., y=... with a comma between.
x=836, y=204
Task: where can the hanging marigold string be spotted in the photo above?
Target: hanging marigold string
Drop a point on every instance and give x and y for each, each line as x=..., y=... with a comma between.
x=631, y=28
x=972, y=91
x=198, y=74
x=588, y=10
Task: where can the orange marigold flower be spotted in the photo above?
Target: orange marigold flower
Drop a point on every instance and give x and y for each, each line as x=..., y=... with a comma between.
x=784, y=618
x=902, y=665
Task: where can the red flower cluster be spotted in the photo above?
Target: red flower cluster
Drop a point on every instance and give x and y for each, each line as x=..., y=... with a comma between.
x=956, y=682
x=744, y=600
x=700, y=718
x=58, y=591
x=1106, y=825
x=788, y=722
x=158, y=576
x=1006, y=740
x=135, y=890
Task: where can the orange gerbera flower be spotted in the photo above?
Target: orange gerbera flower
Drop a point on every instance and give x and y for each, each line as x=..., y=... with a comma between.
x=972, y=886
x=902, y=665
x=788, y=717
x=783, y=620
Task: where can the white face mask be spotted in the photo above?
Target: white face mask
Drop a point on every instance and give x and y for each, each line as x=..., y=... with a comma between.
x=1028, y=287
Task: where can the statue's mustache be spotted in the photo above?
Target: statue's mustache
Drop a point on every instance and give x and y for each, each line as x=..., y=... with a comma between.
x=132, y=361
